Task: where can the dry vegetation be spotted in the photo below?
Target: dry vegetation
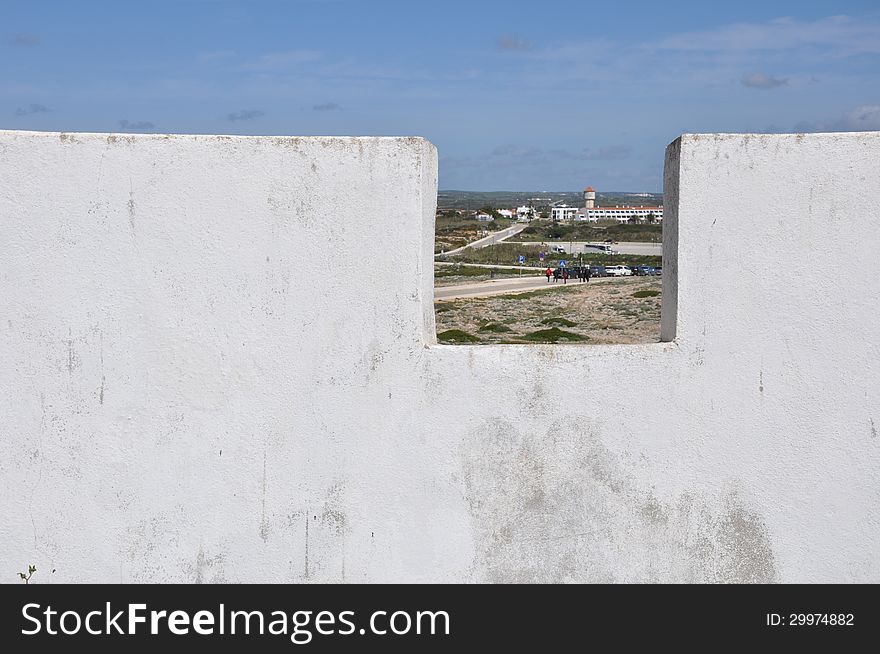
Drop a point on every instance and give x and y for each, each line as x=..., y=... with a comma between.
x=623, y=310
x=453, y=230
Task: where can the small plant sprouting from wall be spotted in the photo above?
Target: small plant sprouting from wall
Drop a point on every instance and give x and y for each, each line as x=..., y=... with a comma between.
x=30, y=573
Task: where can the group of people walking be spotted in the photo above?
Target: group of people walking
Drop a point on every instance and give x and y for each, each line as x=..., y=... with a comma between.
x=583, y=274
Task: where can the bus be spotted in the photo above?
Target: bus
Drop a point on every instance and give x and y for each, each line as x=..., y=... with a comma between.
x=604, y=248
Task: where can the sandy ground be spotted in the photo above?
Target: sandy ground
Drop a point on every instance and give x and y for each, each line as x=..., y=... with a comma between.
x=583, y=313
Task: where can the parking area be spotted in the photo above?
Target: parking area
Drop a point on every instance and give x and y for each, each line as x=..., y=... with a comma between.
x=617, y=270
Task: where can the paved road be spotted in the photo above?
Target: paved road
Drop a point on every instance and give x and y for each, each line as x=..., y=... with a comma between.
x=653, y=249
x=576, y=247
x=491, y=239
x=503, y=286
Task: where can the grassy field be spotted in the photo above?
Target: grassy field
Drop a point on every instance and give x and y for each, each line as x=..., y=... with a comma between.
x=453, y=230
x=623, y=310
x=547, y=231
x=460, y=274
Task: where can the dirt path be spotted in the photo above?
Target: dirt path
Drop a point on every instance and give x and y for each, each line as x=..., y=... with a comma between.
x=507, y=285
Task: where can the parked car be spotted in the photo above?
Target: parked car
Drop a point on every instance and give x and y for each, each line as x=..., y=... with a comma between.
x=572, y=274
x=643, y=271
x=618, y=271
x=598, y=271
x=558, y=248
x=658, y=270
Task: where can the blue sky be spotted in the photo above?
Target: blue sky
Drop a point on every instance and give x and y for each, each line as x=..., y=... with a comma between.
x=549, y=95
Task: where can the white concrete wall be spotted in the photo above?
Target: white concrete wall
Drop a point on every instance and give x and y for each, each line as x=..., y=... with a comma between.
x=185, y=396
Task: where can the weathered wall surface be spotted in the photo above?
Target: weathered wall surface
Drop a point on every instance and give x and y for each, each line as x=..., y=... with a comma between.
x=195, y=386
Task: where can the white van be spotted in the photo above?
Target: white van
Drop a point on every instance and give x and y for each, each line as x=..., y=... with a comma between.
x=558, y=248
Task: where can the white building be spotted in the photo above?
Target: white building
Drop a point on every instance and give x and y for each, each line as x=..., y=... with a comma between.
x=506, y=213
x=624, y=214
x=484, y=217
x=525, y=213
x=582, y=215
x=563, y=212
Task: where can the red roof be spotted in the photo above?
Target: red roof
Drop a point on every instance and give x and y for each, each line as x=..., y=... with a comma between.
x=589, y=189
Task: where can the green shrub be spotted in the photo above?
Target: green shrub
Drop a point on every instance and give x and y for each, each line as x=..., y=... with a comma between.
x=494, y=327
x=527, y=295
x=646, y=293
x=563, y=322
x=456, y=336
x=553, y=335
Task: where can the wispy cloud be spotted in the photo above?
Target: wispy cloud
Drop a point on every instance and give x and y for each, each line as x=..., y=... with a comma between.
x=138, y=126
x=761, y=81
x=604, y=153
x=32, y=109
x=707, y=57
x=510, y=154
x=840, y=34
x=861, y=119
x=23, y=40
x=245, y=114
x=865, y=118
x=327, y=106
x=279, y=61
x=215, y=55
x=517, y=151
x=514, y=43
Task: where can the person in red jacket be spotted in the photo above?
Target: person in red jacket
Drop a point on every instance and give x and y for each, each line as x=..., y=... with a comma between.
x=548, y=272
x=565, y=275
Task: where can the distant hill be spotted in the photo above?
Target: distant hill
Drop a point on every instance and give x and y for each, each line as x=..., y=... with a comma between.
x=539, y=199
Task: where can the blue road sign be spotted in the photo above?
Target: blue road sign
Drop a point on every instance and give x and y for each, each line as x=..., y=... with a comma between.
x=522, y=258
x=562, y=263
x=541, y=256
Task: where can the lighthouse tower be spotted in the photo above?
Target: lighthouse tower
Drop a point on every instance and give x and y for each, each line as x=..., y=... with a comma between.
x=589, y=197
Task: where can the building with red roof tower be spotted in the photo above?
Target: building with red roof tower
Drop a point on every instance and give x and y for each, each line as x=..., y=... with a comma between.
x=589, y=197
